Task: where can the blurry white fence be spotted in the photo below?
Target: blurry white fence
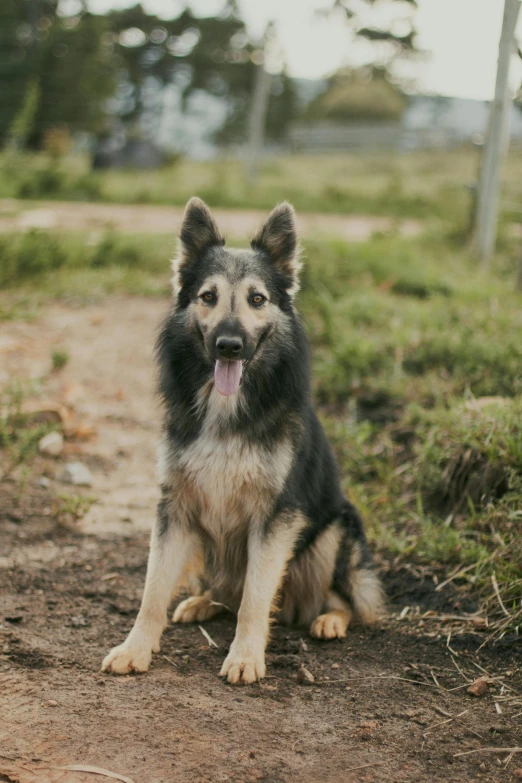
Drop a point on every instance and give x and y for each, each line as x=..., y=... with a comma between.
x=329, y=137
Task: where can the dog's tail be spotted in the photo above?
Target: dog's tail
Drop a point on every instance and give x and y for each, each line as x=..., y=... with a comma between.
x=355, y=579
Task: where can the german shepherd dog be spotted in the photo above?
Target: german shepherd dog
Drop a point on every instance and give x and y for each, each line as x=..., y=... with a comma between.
x=250, y=488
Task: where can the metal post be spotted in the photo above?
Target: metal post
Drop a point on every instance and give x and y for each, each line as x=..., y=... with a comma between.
x=496, y=142
x=258, y=114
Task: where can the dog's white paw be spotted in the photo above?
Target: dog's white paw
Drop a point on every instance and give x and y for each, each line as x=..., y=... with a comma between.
x=244, y=668
x=195, y=609
x=127, y=658
x=332, y=625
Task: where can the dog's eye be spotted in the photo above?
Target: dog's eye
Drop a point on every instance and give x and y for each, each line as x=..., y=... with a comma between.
x=208, y=297
x=257, y=300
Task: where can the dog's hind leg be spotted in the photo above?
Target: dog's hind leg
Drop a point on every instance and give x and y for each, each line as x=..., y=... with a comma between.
x=197, y=609
x=172, y=547
x=335, y=620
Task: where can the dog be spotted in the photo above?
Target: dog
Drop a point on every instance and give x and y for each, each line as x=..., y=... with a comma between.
x=250, y=488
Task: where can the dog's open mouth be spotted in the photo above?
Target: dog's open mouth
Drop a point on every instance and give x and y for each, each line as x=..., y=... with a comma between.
x=227, y=376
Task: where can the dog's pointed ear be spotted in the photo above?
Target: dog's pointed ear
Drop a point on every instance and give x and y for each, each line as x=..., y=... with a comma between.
x=198, y=233
x=278, y=239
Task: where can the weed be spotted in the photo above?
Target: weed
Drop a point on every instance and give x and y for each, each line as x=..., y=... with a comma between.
x=69, y=508
x=59, y=359
x=19, y=432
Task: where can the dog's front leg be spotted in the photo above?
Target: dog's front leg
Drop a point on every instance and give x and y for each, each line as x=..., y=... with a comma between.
x=172, y=547
x=268, y=554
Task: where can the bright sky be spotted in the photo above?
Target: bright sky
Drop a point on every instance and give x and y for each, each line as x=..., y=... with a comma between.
x=460, y=38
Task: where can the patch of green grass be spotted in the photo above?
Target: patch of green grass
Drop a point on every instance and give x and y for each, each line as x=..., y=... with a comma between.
x=79, y=267
x=427, y=184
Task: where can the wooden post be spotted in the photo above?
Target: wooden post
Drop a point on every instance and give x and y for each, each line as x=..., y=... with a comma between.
x=519, y=276
x=256, y=137
x=496, y=142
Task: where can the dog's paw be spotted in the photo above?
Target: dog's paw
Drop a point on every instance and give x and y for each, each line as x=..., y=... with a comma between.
x=243, y=669
x=332, y=625
x=127, y=659
x=196, y=609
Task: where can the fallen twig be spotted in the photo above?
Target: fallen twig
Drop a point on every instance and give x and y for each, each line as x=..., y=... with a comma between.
x=460, y=670
x=441, y=711
x=97, y=771
x=451, y=648
x=210, y=640
x=169, y=660
x=488, y=750
x=442, y=722
x=363, y=766
x=390, y=677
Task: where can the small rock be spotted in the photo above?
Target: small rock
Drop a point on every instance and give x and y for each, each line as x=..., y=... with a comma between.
x=305, y=677
x=76, y=473
x=517, y=773
x=78, y=621
x=51, y=444
x=335, y=665
x=479, y=687
x=44, y=482
x=52, y=703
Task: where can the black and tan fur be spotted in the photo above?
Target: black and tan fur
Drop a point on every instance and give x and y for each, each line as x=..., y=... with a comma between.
x=250, y=488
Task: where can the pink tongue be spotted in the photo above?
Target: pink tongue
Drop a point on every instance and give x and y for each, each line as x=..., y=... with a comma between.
x=227, y=376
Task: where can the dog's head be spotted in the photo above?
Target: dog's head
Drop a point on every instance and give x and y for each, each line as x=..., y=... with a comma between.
x=235, y=301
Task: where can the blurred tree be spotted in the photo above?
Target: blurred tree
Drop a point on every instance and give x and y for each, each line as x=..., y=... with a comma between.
x=364, y=94
x=67, y=57
x=90, y=67
x=212, y=54
x=395, y=28
x=16, y=69
x=371, y=92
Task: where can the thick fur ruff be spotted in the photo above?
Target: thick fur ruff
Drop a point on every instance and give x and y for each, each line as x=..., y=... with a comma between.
x=251, y=500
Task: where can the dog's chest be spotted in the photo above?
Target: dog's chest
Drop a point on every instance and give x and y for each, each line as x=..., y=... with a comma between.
x=232, y=481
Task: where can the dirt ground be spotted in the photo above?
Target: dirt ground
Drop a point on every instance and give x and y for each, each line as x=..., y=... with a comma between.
x=389, y=703
x=149, y=218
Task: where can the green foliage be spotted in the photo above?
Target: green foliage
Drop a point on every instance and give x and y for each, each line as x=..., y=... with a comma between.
x=71, y=507
x=23, y=122
x=46, y=261
x=72, y=59
x=127, y=56
x=59, y=359
x=19, y=432
x=26, y=256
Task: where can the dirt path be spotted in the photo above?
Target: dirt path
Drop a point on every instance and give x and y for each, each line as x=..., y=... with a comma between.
x=145, y=218
x=389, y=703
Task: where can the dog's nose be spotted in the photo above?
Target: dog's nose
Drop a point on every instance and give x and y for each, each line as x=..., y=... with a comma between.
x=229, y=347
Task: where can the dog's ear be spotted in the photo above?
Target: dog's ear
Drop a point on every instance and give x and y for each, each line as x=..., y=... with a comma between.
x=198, y=232
x=278, y=239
